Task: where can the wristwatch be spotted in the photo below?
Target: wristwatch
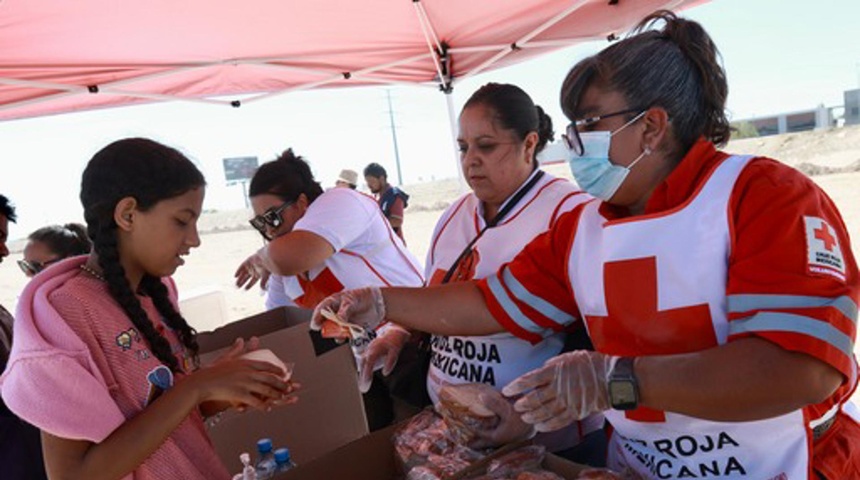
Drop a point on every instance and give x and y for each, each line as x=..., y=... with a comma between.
x=623, y=387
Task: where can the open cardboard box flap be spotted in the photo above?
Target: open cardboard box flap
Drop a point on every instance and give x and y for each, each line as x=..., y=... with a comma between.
x=329, y=413
x=372, y=458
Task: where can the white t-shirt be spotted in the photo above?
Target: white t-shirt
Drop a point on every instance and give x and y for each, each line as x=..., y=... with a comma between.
x=367, y=251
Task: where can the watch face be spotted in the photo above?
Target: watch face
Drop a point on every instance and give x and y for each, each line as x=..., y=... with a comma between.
x=622, y=395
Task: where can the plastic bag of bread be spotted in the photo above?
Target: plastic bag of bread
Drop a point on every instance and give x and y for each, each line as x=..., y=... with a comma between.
x=463, y=411
x=428, y=435
x=426, y=442
x=538, y=475
x=605, y=474
x=520, y=460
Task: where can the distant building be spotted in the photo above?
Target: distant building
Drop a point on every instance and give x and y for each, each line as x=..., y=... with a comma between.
x=852, y=107
x=799, y=121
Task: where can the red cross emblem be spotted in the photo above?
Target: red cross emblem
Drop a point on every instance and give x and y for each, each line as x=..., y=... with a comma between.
x=823, y=234
x=636, y=327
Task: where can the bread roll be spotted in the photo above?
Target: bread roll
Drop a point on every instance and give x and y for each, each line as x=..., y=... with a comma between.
x=266, y=355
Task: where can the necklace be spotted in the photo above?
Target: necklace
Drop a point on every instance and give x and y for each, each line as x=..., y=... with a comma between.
x=92, y=272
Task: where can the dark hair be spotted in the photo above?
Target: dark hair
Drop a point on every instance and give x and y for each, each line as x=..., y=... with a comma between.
x=515, y=110
x=7, y=209
x=64, y=240
x=375, y=170
x=149, y=172
x=677, y=68
x=287, y=176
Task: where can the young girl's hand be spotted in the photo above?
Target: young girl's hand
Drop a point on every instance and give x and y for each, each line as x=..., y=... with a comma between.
x=239, y=347
x=242, y=383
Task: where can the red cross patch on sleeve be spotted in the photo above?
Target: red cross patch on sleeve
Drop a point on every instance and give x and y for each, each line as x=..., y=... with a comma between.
x=824, y=254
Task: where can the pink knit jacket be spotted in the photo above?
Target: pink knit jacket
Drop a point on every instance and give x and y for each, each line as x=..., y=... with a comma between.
x=79, y=369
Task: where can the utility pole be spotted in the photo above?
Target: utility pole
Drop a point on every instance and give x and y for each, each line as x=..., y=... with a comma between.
x=394, y=136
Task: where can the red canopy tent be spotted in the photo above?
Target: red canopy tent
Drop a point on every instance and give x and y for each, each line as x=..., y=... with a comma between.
x=63, y=56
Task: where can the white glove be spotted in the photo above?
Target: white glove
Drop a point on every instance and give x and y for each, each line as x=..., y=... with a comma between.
x=567, y=388
x=363, y=306
x=510, y=428
x=256, y=268
x=382, y=353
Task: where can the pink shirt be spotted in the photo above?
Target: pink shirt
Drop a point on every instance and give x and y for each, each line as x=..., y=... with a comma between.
x=79, y=369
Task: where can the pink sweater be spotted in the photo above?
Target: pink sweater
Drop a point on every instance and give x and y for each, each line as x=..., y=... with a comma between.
x=79, y=369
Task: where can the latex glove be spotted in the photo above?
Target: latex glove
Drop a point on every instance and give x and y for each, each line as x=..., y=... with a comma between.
x=382, y=353
x=567, y=388
x=362, y=306
x=511, y=427
x=256, y=268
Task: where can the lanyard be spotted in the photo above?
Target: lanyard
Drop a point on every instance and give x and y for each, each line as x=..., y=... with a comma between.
x=493, y=222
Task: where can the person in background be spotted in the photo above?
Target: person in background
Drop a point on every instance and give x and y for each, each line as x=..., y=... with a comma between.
x=720, y=291
x=392, y=200
x=347, y=178
x=20, y=448
x=53, y=243
x=319, y=243
x=103, y=363
x=512, y=201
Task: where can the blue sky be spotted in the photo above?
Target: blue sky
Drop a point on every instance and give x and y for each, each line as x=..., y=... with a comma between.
x=780, y=55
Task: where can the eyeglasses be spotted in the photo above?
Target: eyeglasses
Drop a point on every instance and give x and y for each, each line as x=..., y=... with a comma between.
x=571, y=136
x=270, y=219
x=31, y=268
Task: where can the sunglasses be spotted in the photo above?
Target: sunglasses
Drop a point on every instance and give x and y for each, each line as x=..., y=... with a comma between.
x=571, y=135
x=31, y=268
x=270, y=219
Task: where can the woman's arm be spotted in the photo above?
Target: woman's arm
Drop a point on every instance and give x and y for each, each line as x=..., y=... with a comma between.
x=747, y=379
x=296, y=252
x=452, y=309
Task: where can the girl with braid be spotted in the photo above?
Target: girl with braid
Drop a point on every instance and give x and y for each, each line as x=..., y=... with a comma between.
x=103, y=363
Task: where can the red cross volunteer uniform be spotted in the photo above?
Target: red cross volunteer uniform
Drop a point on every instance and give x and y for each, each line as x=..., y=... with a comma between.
x=728, y=247
x=495, y=359
x=367, y=251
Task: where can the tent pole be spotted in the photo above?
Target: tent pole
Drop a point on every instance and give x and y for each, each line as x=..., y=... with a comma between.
x=452, y=122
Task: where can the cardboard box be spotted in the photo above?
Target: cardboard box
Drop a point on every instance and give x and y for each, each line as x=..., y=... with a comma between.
x=373, y=458
x=330, y=411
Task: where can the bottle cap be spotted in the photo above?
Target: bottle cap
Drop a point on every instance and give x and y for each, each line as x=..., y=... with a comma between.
x=264, y=445
x=282, y=455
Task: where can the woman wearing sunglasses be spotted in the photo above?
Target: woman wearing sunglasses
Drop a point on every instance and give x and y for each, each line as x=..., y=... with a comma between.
x=326, y=241
x=319, y=243
x=53, y=243
x=720, y=291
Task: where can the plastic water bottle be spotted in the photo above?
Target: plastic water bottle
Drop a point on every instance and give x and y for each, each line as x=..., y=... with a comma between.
x=283, y=459
x=265, y=464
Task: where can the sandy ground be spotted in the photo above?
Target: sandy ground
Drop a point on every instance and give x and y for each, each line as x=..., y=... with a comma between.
x=227, y=240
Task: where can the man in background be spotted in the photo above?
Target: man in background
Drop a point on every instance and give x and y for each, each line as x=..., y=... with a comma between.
x=20, y=446
x=347, y=178
x=391, y=199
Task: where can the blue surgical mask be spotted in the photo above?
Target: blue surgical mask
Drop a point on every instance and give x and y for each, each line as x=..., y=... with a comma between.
x=593, y=170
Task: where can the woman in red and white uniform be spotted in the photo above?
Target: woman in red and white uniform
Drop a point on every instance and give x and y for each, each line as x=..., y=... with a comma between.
x=511, y=202
x=720, y=291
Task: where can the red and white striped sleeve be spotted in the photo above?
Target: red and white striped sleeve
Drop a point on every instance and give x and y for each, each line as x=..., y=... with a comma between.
x=531, y=296
x=792, y=276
